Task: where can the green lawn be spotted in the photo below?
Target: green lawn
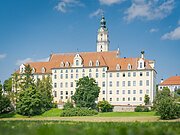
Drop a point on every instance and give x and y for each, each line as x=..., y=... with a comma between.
x=88, y=128
x=56, y=113
x=126, y=114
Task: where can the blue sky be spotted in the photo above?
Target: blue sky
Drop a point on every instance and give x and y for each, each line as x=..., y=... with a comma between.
x=30, y=30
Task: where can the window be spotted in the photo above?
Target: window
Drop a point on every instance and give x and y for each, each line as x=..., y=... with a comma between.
x=129, y=74
x=97, y=63
x=61, y=97
x=71, y=76
x=134, y=98
x=123, y=83
x=110, y=84
x=147, y=91
x=140, y=83
x=117, y=91
x=123, y=91
x=66, y=84
x=104, y=69
x=90, y=75
x=134, y=74
x=140, y=98
x=66, y=92
x=134, y=91
x=147, y=73
x=110, y=99
x=76, y=70
x=103, y=92
x=103, y=84
x=61, y=76
x=123, y=99
x=90, y=63
x=117, y=99
x=103, y=99
x=66, y=76
x=141, y=74
x=71, y=84
x=110, y=74
x=66, y=71
x=62, y=64
x=54, y=71
x=71, y=92
x=61, y=92
x=110, y=92
x=61, y=85
x=76, y=76
x=103, y=75
x=123, y=74
x=71, y=70
x=117, y=67
x=61, y=71
x=77, y=62
x=96, y=69
x=134, y=83
x=140, y=92
x=83, y=70
x=83, y=75
x=90, y=70
x=147, y=82
x=129, y=91
x=96, y=75
x=55, y=93
x=55, y=85
x=66, y=97
x=128, y=98
x=129, y=83
x=129, y=66
x=140, y=64
x=43, y=70
x=67, y=64
x=117, y=75
x=117, y=83
x=55, y=76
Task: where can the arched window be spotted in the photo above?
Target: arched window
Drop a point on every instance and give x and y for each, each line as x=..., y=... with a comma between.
x=62, y=64
x=118, y=67
x=67, y=64
x=97, y=63
x=43, y=70
x=90, y=63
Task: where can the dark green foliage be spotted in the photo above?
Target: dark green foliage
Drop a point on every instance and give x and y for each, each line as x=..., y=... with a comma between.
x=5, y=103
x=87, y=92
x=8, y=85
x=34, y=98
x=104, y=106
x=146, y=99
x=141, y=109
x=165, y=106
x=68, y=105
x=178, y=91
x=78, y=112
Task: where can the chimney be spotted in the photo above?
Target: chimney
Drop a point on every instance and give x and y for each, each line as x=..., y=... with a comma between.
x=142, y=54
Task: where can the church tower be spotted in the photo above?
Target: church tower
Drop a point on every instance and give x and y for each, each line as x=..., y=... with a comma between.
x=102, y=37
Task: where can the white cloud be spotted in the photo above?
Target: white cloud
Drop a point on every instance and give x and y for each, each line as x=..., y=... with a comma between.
x=96, y=13
x=149, y=10
x=27, y=60
x=66, y=5
x=2, y=56
x=173, y=35
x=152, y=30
x=110, y=2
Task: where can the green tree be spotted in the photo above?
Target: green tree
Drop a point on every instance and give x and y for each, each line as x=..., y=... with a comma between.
x=68, y=105
x=45, y=87
x=104, y=106
x=8, y=85
x=87, y=92
x=165, y=106
x=5, y=103
x=146, y=99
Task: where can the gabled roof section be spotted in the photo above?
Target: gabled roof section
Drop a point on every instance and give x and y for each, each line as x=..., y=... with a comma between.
x=174, y=80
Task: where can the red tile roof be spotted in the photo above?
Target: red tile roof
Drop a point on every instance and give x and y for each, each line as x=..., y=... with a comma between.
x=174, y=80
x=108, y=59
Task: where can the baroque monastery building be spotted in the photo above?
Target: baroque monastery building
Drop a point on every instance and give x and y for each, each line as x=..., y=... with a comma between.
x=123, y=81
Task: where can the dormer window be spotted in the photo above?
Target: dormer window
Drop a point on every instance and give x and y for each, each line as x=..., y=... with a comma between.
x=62, y=64
x=77, y=62
x=129, y=67
x=90, y=63
x=43, y=70
x=141, y=65
x=118, y=67
x=33, y=70
x=97, y=63
x=67, y=64
x=22, y=68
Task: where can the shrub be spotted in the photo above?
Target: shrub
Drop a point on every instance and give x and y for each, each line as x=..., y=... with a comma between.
x=78, y=112
x=104, y=106
x=68, y=105
x=141, y=109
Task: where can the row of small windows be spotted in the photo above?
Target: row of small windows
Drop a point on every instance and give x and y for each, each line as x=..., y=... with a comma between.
x=63, y=93
x=129, y=74
x=126, y=99
x=126, y=92
x=77, y=63
x=129, y=83
x=66, y=84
